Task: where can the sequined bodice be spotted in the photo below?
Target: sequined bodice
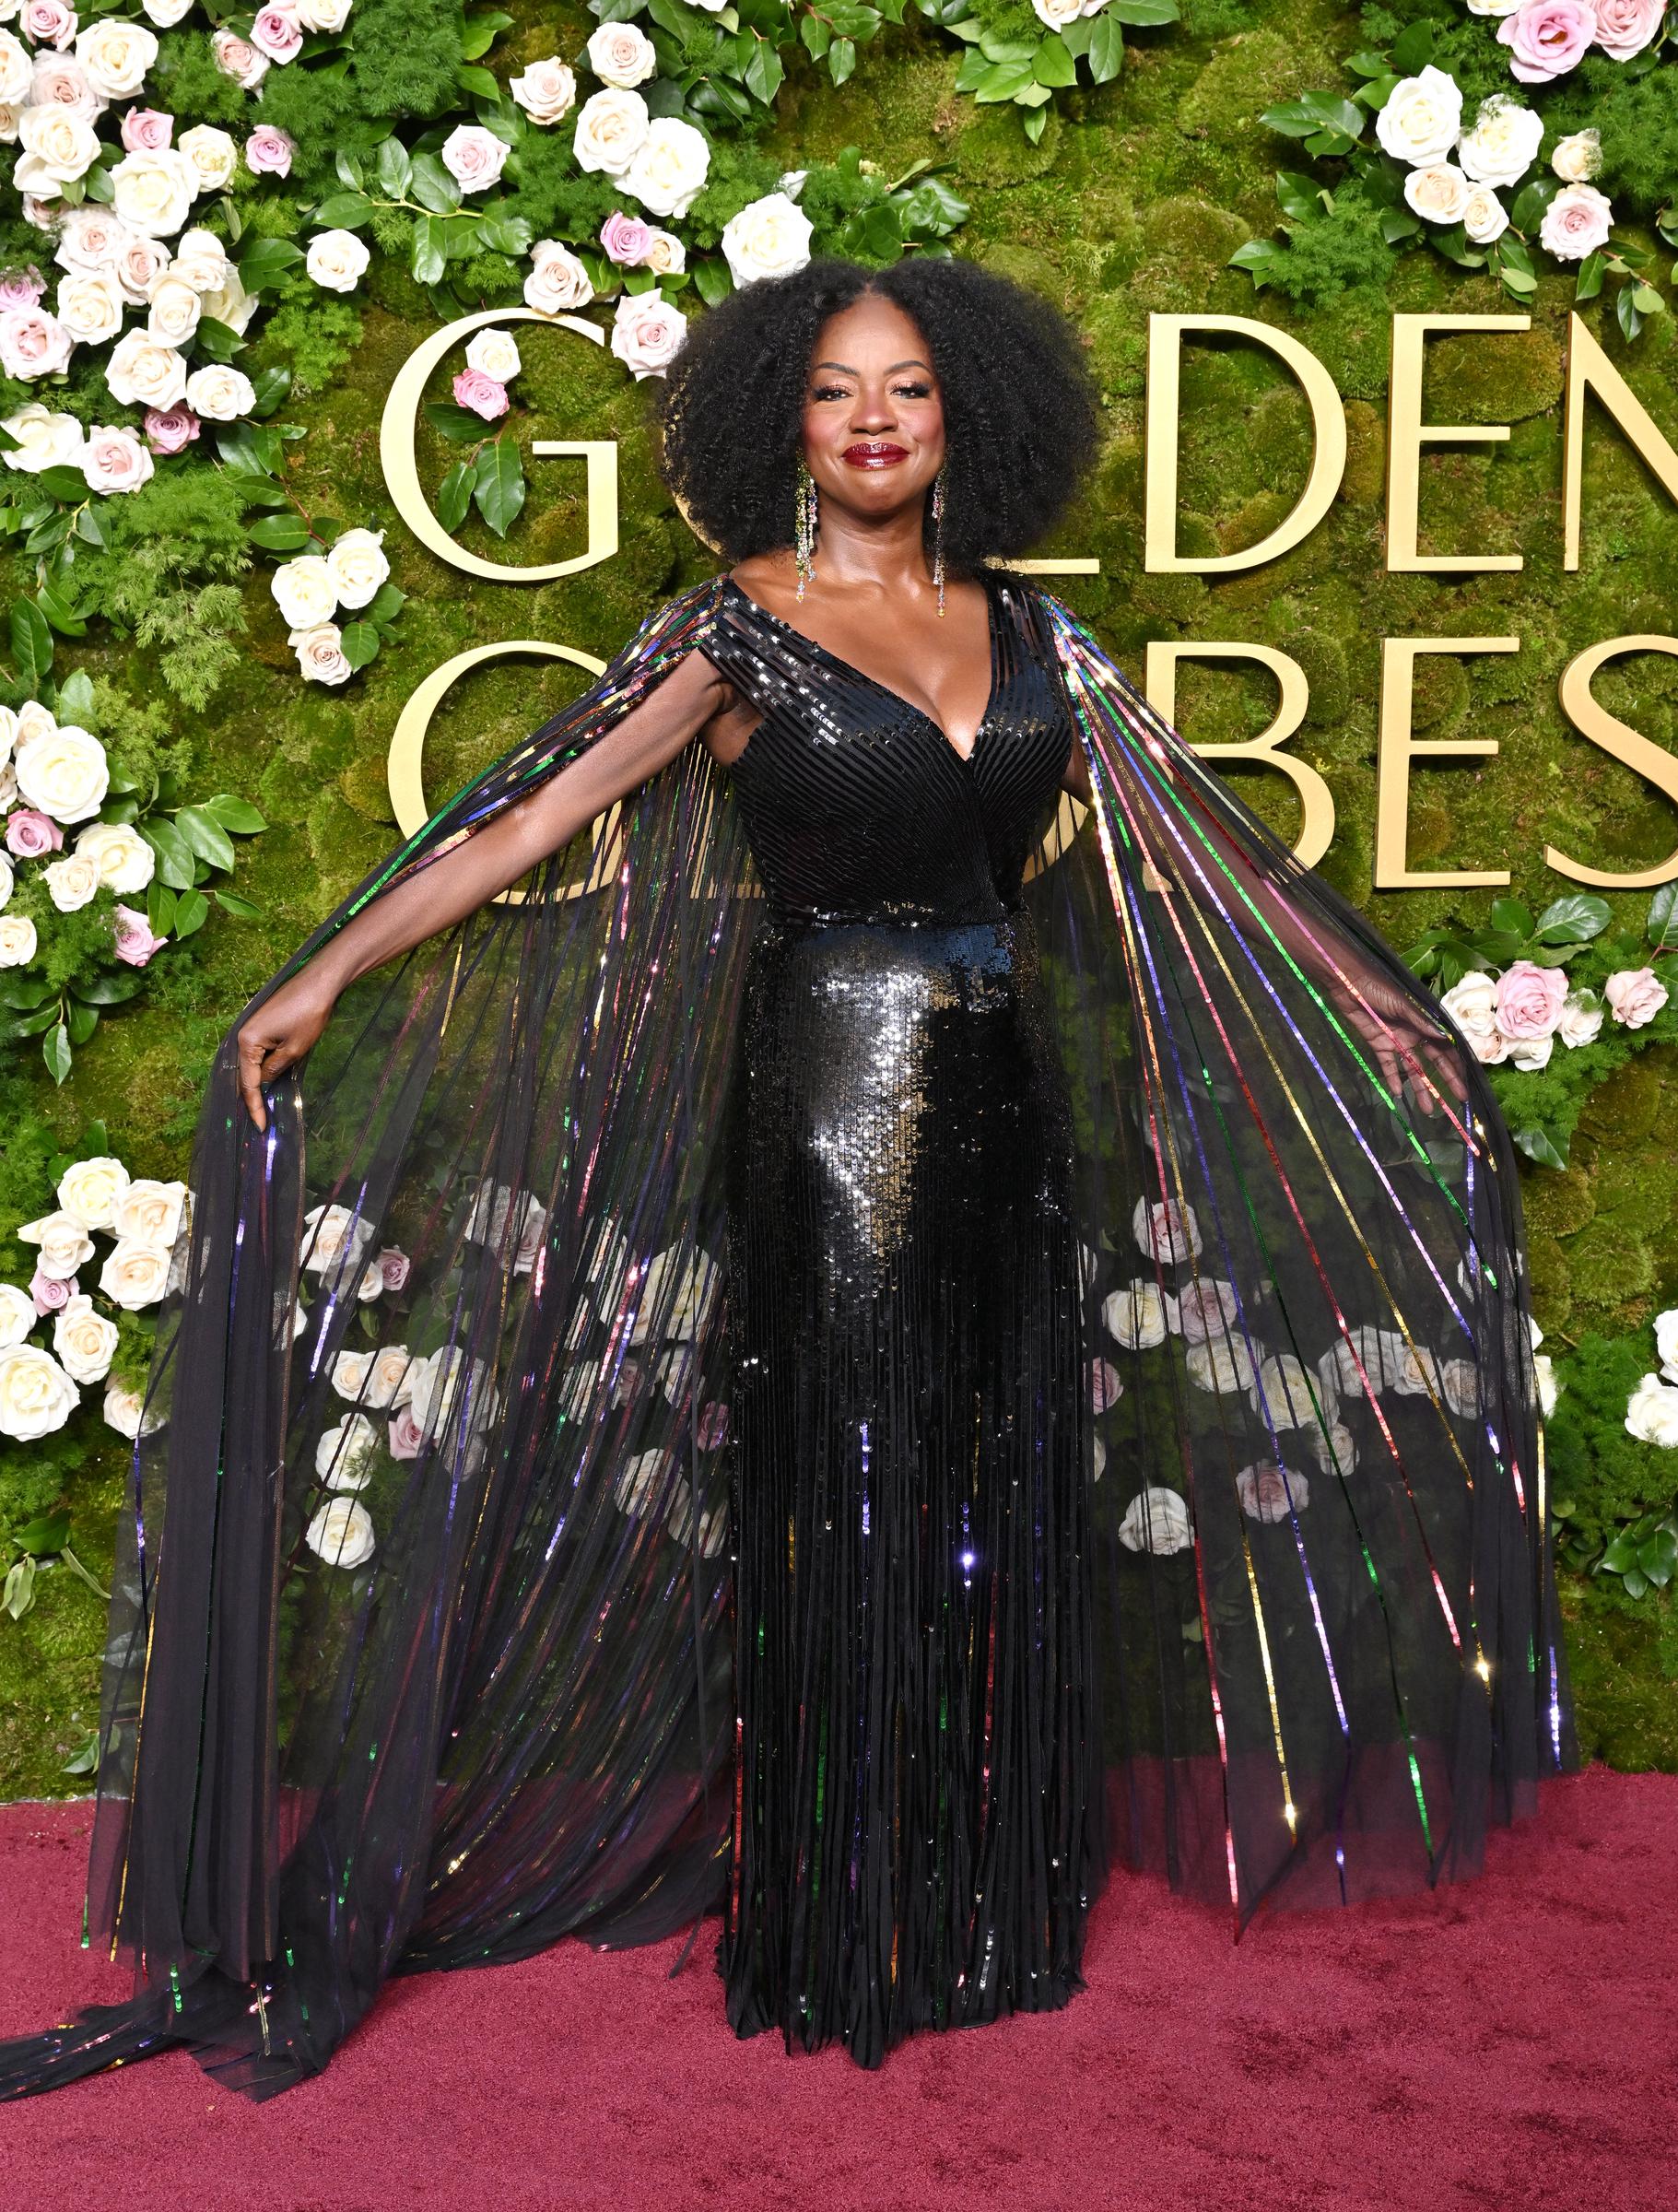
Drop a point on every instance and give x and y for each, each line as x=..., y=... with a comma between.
x=857, y=806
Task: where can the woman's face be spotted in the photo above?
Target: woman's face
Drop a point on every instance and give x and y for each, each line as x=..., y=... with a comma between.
x=872, y=415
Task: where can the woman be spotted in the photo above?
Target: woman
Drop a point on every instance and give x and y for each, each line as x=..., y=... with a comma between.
x=934, y=1346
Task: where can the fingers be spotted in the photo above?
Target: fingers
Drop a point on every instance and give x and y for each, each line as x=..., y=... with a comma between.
x=250, y=1056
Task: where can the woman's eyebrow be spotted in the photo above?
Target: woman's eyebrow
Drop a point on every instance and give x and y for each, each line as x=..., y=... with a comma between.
x=914, y=362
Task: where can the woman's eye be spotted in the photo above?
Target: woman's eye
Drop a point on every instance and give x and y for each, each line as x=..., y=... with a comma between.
x=829, y=392
x=913, y=390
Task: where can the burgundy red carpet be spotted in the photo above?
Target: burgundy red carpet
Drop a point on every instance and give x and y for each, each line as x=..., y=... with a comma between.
x=1506, y=2045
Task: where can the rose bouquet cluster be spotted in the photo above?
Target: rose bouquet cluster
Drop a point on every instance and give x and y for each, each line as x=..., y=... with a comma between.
x=1481, y=189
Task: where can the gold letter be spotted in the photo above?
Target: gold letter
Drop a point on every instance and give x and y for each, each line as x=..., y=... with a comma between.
x=1398, y=748
x=1315, y=799
x=1329, y=445
x=1406, y=432
x=1590, y=369
x=405, y=765
x=1646, y=760
x=402, y=472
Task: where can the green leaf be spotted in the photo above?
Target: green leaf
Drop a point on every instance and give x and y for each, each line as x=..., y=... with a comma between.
x=430, y=254
x=75, y=702
x=482, y=31
x=1144, y=14
x=1527, y=210
x=266, y=262
x=1539, y=1145
x=90, y=528
x=1036, y=121
x=1625, y=310
x=712, y=278
x=110, y=990
x=83, y=1020
x=498, y=485
x=41, y=1538
x=1664, y=917
x=62, y=484
x=1413, y=48
x=271, y=387
x=509, y=234
x=190, y=912
x=279, y=533
x=206, y=836
x=1513, y=917
x=392, y=167
x=1317, y=115
x=1573, y=920
x=1588, y=282
x=451, y=420
x=350, y=171
x=1298, y=196
x=764, y=71
x=235, y=814
x=454, y=496
x=175, y=864
x=343, y=211
x=1001, y=80
x=160, y=908
x=31, y=646
x=842, y=59
x=1054, y=64
x=230, y=902
x=432, y=185
x=1106, y=52
x=481, y=84
x=360, y=643
x=817, y=35
x=20, y=1592
x=55, y=1050
x=385, y=605
x=84, y=1759
x=216, y=341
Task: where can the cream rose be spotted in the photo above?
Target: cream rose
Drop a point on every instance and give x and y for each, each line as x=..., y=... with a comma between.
x=547, y=89
x=1651, y=1414
x=90, y=1191
x=231, y=304
x=1634, y=996
x=439, y=1382
x=61, y=1240
x=669, y=166
x=58, y=80
x=45, y=439
x=1057, y=14
x=321, y=657
x=1666, y=1343
x=201, y=260
x=71, y=882
x=217, y=393
x=149, y=1212
x=114, y=460
x=213, y=154
x=1421, y=118
x=1285, y=1394
x=665, y=255
x=91, y=305
x=336, y=260
x=334, y=1237
x=121, y=1410
x=342, y=1532
x=136, y=1274
x=612, y=127
x=1437, y=194
x=342, y=1455
x=1484, y=216
x=1502, y=144
x=713, y=1522
x=769, y=238
x=647, y=333
x=89, y=238
x=304, y=591
x=59, y=145
x=1471, y=1004
x=237, y=58
x=153, y=193
x=17, y=71
x=558, y=280
x=1156, y=1520
x=1543, y=1373
x=1135, y=1315
x=174, y=308
x=124, y=861
x=116, y=55
x=85, y=1341
x=1577, y=158
x=1582, y=1018
x=18, y=1315
x=357, y=567
x=65, y=774
x=619, y=54
x=164, y=13
x=141, y=374
x=1223, y=1368
x=17, y=940
x=493, y=353
x=137, y=265
x=322, y=14
x=37, y=1395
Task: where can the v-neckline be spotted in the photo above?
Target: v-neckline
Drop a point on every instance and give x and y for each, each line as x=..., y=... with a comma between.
x=890, y=690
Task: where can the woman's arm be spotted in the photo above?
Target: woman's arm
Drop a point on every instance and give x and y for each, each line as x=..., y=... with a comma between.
x=456, y=884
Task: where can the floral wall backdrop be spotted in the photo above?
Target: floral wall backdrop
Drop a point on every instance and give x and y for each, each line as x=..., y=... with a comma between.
x=223, y=231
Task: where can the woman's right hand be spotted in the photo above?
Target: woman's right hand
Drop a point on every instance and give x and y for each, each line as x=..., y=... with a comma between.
x=280, y=1031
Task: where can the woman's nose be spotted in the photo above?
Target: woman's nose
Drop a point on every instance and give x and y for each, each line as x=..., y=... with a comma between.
x=873, y=411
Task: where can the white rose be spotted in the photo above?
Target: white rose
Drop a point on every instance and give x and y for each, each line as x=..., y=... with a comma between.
x=640, y=1484
x=153, y=193
x=665, y=255
x=1582, y=1018
x=174, y=308
x=1333, y=1447
x=85, y=1341
x=1438, y=193
x=141, y=374
x=18, y=1315
x=1421, y=118
x=1666, y=1342
x=1577, y=158
x=493, y=353
x=474, y=157
x=16, y=71
x=1156, y=1520
x=358, y=567
x=33, y=342
x=37, y=1396
x=770, y=238
x=1471, y=1004
x=1502, y=144
x=331, y=1232
x=1135, y=1315
x=380, y=1379
x=7, y=876
x=713, y=1522
x=439, y=1382
x=1165, y=1231
x=321, y=657
x=1224, y=1367
x=114, y=460
x=1285, y=1394
x=341, y=1532
x=149, y=1212
x=165, y=13
x=71, y=882
x=231, y=304
x=1543, y=1371
x=1494, y=7
x=619, y=53
x=137, y=265
x=201, y=260
x=336, y=260
x=1651, y=1415
x=116, y=57
x=63, y=1241
x=1057, y=14
x=17, y=940
x=1484, y=216
x=136, y=1274
x=58, y=146
x=220, y=394
x=45, y=440
x=558, y=280
x=237, y=58
x=322, y=14
x=89, y=238
x=1577, y=222
x=121, y=1411
x=647, y=333
x=91, y=305
x=304, y=591
x=64, y=775
x=1206, y=1310
x=341, y=1456
x=124, y=861
x=675, y=1295
x=612, y=127
x=212, y=155
x=548, y=90
x=669, y=166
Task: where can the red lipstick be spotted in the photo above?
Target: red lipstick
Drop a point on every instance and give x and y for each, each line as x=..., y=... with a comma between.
x=873, y=453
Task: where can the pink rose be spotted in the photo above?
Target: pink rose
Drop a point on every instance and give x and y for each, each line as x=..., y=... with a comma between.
x=29, y=834
x=1577, y=222
x=32, y=342
x=147, y=130
x=21, y=287
x=51, y=1292
x=472, y=156
x=1548, y=38
x=167, y=430
x=134, y=942
x=628, y=241
x=48, y=23
x=1268, y=1494
x=392, y=1265
x=235, y=57
x=268, y=151
x=1635, y=995
x=1104, y=1388
x=1528, y=1000
x=480, y=392
x=1626, y=27
x=407, y=1435
x=1206, y=1310
x=278, y=33
x=714, y=1425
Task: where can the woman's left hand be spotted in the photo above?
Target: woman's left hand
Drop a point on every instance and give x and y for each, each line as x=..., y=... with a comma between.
x=1404, y=1039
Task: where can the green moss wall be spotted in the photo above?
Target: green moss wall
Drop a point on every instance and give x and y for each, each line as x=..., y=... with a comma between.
x=1131, y=203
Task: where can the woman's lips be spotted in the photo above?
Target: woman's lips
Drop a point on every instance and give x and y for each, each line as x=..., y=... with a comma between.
x=868, y=453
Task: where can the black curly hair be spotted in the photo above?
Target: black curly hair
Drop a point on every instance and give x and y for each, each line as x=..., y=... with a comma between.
x=1021, y=415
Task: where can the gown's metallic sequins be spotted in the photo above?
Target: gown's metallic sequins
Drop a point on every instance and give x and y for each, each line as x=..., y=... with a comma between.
x=918, y=1805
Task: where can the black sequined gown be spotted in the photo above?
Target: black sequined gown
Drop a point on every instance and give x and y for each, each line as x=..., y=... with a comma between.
x=917, y=1823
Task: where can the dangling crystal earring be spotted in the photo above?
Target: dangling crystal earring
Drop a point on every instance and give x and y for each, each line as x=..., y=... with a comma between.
x=938, y=534
x=804, y=524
